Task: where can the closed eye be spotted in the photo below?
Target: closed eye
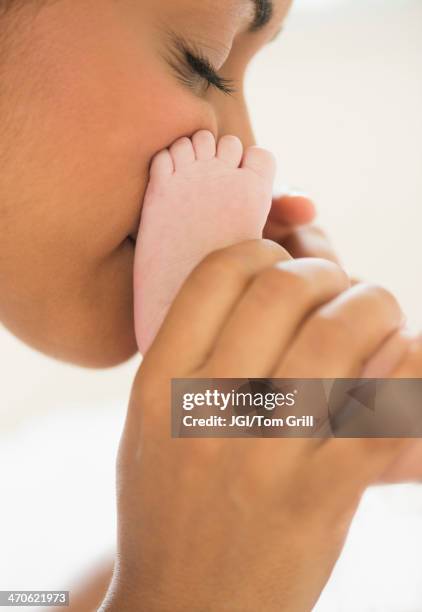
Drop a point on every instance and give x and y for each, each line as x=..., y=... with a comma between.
x=191, y=65
x=202, y=67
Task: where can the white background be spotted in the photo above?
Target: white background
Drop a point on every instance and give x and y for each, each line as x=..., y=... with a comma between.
x=338, y=98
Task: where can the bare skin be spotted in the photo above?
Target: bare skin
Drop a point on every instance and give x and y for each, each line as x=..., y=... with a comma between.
x=202, y=196
x=249, y=508
x=75, y=155
x=86, y=96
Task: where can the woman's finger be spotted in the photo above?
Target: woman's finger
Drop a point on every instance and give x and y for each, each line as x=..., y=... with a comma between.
x=411, y=364
x=310, y=241
x=291, y=209
x=206, y=300
x=389, y=356
x=344, y=334
x=266, y=319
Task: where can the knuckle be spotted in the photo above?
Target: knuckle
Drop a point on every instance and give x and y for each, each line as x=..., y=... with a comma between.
x=333, y=268
x=215, y=261
x=411, y=366
x=267, y=285
x=279, y=281
x=334, y=275
x=382, y=299
x=238, y=262
x=218, y=265
x=330, y=331
x=314, y=277
x=297, y=284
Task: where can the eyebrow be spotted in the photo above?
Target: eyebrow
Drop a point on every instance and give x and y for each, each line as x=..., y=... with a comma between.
x=264, y=10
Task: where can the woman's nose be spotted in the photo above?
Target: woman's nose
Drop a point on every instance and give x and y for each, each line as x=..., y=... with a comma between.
x=233, y=118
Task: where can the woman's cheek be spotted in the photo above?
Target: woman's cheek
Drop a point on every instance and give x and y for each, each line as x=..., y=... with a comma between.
x=101, y=105
x=176, y=111
x=88, y=113
x=161, y=113
x=147, y=120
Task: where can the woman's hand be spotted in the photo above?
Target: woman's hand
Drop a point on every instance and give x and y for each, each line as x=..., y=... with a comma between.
x=245, y=524
x=290, y=223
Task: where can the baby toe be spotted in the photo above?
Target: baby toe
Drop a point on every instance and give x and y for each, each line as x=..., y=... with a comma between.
x=162, y=165
x=230, y=150
x=260, y=161
x=204, y=145
x=182, y=153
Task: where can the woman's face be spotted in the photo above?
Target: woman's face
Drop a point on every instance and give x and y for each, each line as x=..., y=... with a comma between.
x=89, y=92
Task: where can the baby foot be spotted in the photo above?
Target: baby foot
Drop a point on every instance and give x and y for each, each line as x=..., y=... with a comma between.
x=201, y=197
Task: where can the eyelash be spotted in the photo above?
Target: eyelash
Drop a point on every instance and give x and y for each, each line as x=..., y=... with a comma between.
x=202, y=67
x=191, y=63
